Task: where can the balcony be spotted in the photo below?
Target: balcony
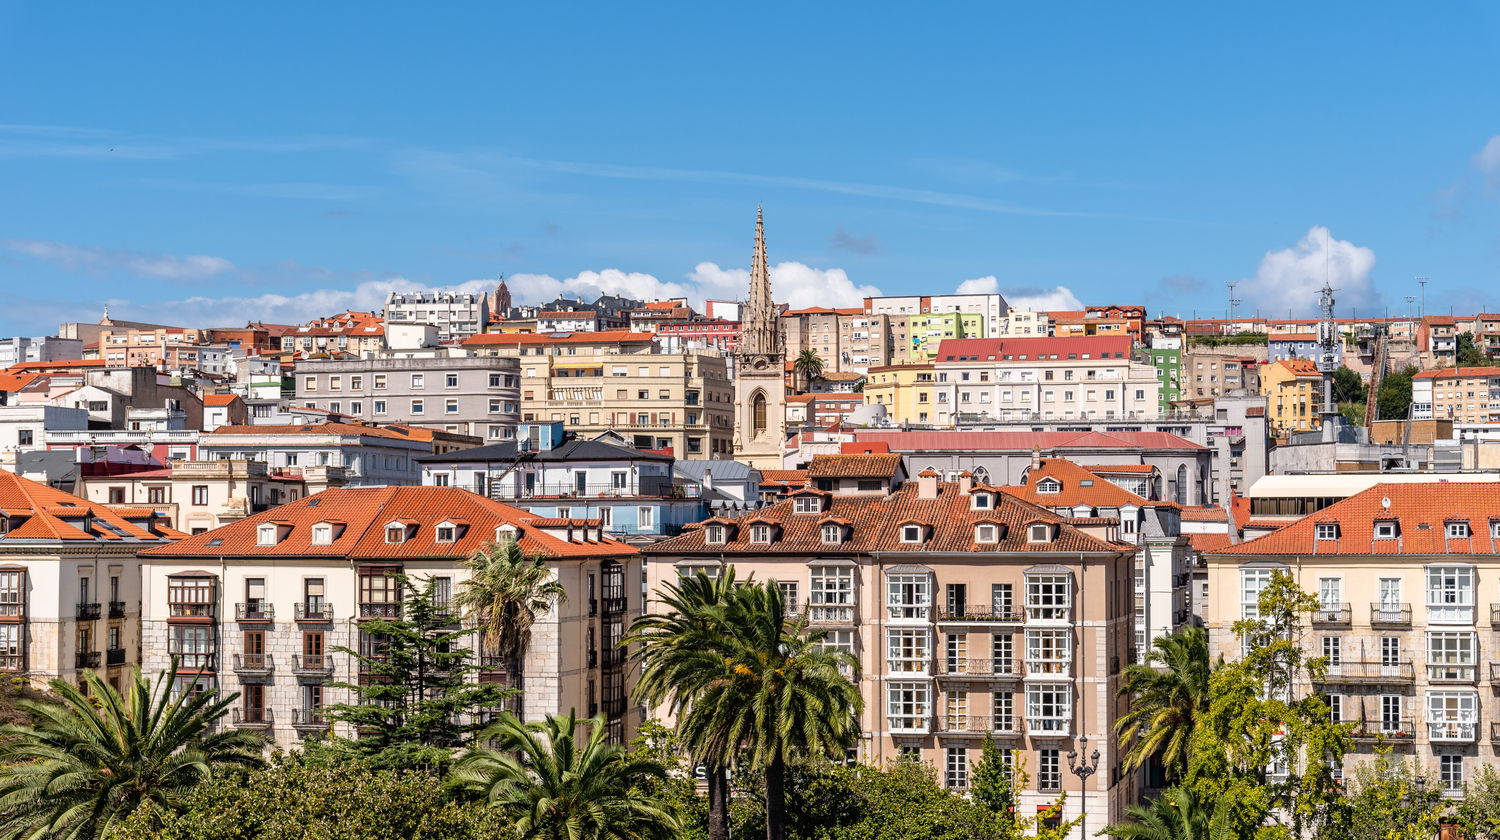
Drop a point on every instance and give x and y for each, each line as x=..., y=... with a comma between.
x=257, y=717
x=492, y=670
x=309, y=721
x=1401, y=730
x=614, y=605
x=86, y=660
x=1049, y=727
x=254, y=612
x=387, y=611
x=1390, y=615
x=1332, y=615
x=253, y=666
x=1369, y=673
x=190, y=662
x=12, y=611
x=975, y=614
x=979, y=669
x=1049, y=668
x=312, y=668
x=1449, y=672
x=201, y=611
x=1461, y=731
x=1495, y=616
x=313, y=611
x=1495, y=732
x=116, y=609
x=88, y=612
x=114, y=656
x=909, y=612
x=825, y=614
x=909, y=725
x=981, y=725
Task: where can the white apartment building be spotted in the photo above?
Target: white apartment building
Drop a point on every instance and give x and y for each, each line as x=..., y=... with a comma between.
x=1079, y=378
x=457, y=316
x=991, y=306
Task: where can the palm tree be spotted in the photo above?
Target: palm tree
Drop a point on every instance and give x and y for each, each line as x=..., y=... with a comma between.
x=557, y=787
x=779, y=692
x=88, y=763
x=1175, y=815
x=675, y=650
x=504, y=594
x=808, y=366
x=1167, y=702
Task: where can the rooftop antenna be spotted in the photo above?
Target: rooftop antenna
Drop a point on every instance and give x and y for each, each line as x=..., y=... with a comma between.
x=1232, y=300
x=1422, y=281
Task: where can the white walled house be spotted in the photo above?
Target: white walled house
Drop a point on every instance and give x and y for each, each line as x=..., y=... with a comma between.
x=367, y=454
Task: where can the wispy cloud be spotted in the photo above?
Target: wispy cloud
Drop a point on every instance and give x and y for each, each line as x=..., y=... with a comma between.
x=843, y=240
x=20, y=140
x=105, y=260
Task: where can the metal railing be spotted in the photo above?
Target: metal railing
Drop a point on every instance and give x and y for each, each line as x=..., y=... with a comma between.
x=309, y=719
x=909, y=724
x=379, y=610
x=980, y=725
x=1049, y=727
x=1049, y=667
x=88, y=612
x=976, y=612
x=89, y=659
x=253, y=717
x=114, y=656
x=312, y=665
x=1340, y=614
x=254, y=663
x=313, y=611
x=116, y=609
x=1370, y=672
x=196, y=661
x=1453, y=730
x=1495, y=615
x=1390, y=615
x=1398, y=729
x=254, y=611
x=979, y=668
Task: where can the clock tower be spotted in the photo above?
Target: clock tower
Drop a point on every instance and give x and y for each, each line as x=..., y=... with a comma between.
x=760, y=369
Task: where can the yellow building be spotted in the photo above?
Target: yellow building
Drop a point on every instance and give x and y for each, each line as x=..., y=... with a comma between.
x=904, y=390
x=1293, y=389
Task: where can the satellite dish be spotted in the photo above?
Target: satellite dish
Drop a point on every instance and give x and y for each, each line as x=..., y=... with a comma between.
x=1385, y=502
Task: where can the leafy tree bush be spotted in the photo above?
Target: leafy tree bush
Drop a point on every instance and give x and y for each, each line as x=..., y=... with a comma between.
x=1394, y=397
x=1468, y=355
x=1348, y=386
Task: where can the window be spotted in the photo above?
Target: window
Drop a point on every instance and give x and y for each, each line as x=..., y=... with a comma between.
x=1049, y=708
x=1002, y=600
x=266, y=534
x=1330, y=594
x=416, y=380
x=1039, y=533
x=416, y=406
x=1252, y=581
x=1450, y=656
x=1333, y=651
x=200, y=494
x=908, y=651
x=191, y=645
x=958, y=768
x=1335, y=707
x=1452, y=715
x=1049, y=771
x=833, y=534
x=1450, y=594
x=450, y=381
x=310, y=383
x=1386, y=529
x=380, y=380
x=25, y=437
x=1391, y=719
x=11, y=658
x=714, y=534
x=831, y=594
x=908, y=705
x=12, y=593
x=981, y=501
x=760, y=534
x=1451, y=773
x=910, y=596
x=1048, y=597
x=911, y=533
x=1327, y=531
x=378, y=588
x=395, y=534
x=190, y=597
x=1457, y=530
x=1048, y=652
x=1049, y=485
x=451, y=406
x=1390, y=595
x=446, y=532
x=335, y=383
x=986, y=534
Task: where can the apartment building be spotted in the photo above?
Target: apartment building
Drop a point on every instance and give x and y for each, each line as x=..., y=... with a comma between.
x=366, y=454
x=821, y=410
x=347, y=332
x=991, y=309
x=261, y=604
x=1300, y=346
x=70, y=583
x=457, y=316
x=439, y=387
x=1027, y=324
x=847, y=340
x=1293, y=389
x=1408, y=616
x=174, y=348
x=700, y=333
x=1437, y=341
x=904, y=390
x=1042, y=378
x=1463, y=395
x=198, y=496
x=972, y=614
x=1168, y=363
x=48, y=348
x=623, y=382
x=1209, y=372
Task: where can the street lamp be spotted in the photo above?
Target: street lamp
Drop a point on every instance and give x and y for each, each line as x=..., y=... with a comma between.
x=1083, y=771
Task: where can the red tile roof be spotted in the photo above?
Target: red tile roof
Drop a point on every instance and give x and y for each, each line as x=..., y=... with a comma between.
x=51, y=514
x=365, y=511
x=1111, y=469
x=854, y=466
x=1078, y=487
x=1031, y=349
x=874, y=522
x=1208, y=542
x=220, y=399
x=1300, y=367
x=601, y=337
x=1205, y=514
x=1421, y=510
x=1457, y=372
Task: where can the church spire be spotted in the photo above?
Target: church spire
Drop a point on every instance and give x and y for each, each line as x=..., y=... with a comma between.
x=760, y=321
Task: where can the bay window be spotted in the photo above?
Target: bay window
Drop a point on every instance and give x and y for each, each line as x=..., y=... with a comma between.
x=908, y=706
x=1452, y=715
x=908, y=651
x=909, y=596
x=1048, y=651
x=831, y=594
x=1450, y=594
x=1049, y=597
x=1049, y=708
x=1450, y=656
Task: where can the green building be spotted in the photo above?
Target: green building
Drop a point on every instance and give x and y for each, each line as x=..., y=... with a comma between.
x=1168, y=364
x=924, y=332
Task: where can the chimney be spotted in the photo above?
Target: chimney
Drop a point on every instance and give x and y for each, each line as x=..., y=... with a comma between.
x=965, y=481
x=708, y=479
x=1036, y=457
x=927, y=484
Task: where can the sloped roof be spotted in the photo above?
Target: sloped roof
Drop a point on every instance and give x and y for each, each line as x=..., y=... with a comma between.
x=1078, y=487
x=854, y=466
x=50, y=514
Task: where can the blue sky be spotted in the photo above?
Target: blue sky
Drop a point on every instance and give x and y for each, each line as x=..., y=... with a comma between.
x=202, y=164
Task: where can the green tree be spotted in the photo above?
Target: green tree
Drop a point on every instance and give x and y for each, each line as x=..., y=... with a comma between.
x=1175, y=815
x=554, y=785
x=88, y=763
x=1394, y=397
x=808, y=366
x=1479, y=813
x=503, y=596
x=678, y=788
x=1387, y=803
x=1467, y=354
x=1169, y=696
x=992, y=784
x=780, y=693
x=1348, y=386
x=675, y=648
x=416, y=700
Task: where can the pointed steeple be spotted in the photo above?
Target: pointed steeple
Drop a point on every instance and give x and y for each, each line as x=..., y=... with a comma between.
x=760, y=321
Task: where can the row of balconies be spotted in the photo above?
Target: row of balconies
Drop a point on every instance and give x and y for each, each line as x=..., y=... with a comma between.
x=84, y=612
x=1012, y=726
x=263, y=611
x=258, y=667
x=1386, y=615
x=1002, y=669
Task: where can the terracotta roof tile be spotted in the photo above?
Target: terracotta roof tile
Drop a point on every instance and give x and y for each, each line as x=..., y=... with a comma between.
x=1208, y=542
x=854, y=466
x=44, y=508
x=1078, y=486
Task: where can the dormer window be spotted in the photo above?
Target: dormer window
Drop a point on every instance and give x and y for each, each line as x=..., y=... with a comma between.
x=266, y=534
x=911, y=533
x=833, y=534
x=987, y=534
x=807, y=504
x=322, y=534
x=395, y=534
x=760, y=534
x=446, y=532
x=981, y=501
x=1494, y=529
x=1458, y=530
x=1326, y=531
x=1039, y=533
x=1387, y=529
x=716, y=535
x=505, y=533
x=1049, y=485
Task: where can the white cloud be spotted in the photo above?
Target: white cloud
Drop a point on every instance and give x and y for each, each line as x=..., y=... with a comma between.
x=277, y=309
x=791, y=283
x=979, y=286
x=1290, y=279
x=1026, y=299
x=1487, y=161
x=154, y=266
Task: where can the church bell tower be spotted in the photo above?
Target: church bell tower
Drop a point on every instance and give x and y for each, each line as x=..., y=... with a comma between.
x=760, y=369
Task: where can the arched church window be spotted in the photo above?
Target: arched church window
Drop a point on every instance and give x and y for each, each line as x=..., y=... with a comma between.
x=758, y=407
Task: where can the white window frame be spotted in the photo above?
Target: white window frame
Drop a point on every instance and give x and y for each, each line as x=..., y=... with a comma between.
x=831, y=594
x=760, y=534
x=1450, y=594
x=807, y=504
x=908, y=651
x=911, y=534
x=266, y=534
x=1330, y=594
x=1326, y=531
x=832, y=534
x=322, y=534
x=1386, y=529
x=1049, y=652
x=715, y=534
x=1049, y=486
x=908, y=706
x=986, y=533
x=981, y=501
x=1452, y=655
x=1452, y=715
x=918, y=606
x=1049, y=597
x=1049, y=708
x=1456, y=530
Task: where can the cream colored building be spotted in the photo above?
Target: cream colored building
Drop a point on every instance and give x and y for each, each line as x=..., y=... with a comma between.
x=847, y=340
x=262, y=603
x=904, y=390
x=1409, y=616
x=1463, y=395
x=198, y=496
x=1293, y=389
x=621, y=381
x=971, y=612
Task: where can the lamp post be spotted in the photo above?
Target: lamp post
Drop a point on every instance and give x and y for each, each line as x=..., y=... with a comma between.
x=1083, y=771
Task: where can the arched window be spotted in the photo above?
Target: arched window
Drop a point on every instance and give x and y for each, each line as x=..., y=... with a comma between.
x=758, y=407
x=1181, y=485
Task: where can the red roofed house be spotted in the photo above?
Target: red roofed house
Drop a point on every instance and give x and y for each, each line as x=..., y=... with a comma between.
x=224, y=410
x=1463, y=395
x=1293, y=389
x=70, y=582
x=262, y=603
x=972, y=613
x=1405, y=579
